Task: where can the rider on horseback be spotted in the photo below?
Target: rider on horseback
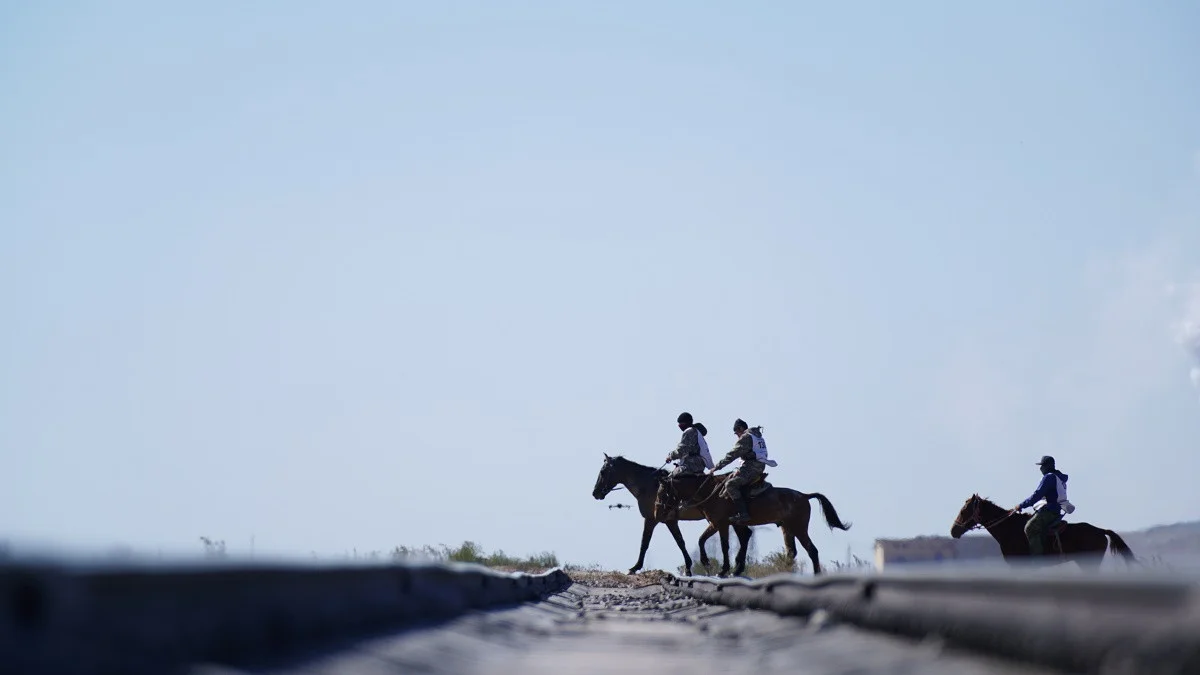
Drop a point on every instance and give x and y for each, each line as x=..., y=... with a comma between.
x=1053, y=489
x=752, y=450
x=691, y=451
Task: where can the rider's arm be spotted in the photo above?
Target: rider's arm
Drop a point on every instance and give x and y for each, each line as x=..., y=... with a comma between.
x=1042, y=492
x=744, y=445
x=688, y=445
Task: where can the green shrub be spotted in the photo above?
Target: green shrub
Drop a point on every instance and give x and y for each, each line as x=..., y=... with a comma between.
x=471, y=552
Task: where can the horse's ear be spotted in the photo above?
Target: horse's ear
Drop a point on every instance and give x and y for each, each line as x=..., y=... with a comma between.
x=606, y=456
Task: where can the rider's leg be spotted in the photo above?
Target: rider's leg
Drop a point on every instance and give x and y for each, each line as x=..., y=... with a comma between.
x=743, y=510
x=1035, y=531
x=675, y=499
x=736, y=489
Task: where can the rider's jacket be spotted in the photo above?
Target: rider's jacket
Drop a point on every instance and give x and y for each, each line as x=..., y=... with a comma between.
x=1053, y=489
x=687, y=453
x=743, y=449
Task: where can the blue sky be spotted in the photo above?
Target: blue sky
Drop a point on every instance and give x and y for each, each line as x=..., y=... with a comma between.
x=341, y=276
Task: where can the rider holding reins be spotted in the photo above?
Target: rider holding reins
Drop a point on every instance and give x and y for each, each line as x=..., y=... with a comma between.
x=1053, y=489
x=752, y=450
x=691, y=451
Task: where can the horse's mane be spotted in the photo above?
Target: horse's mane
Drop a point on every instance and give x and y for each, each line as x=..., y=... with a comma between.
x=988, y=501
x=622, y=459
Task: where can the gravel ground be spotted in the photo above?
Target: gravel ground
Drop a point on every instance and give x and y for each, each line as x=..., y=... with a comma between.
x=641, y=627
x=593, y=579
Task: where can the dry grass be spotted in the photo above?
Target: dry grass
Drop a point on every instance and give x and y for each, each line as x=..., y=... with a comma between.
x=776, y=562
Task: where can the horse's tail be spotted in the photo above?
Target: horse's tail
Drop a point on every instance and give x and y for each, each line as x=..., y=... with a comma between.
x=1118, y=546
x=830, y=513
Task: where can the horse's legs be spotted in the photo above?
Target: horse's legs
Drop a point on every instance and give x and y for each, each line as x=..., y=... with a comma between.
x=724, y=532
x=811, y=549
x=673, y=526
x=705, y=536
x=789, y=545
x=743, y=535
x=647, y=530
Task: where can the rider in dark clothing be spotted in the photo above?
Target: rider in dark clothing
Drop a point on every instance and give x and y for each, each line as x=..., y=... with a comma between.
x=751, y=468
x=688, y=453
x=1053, y=489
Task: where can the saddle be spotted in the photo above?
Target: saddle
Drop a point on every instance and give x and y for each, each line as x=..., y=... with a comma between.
x=757, y=486
x=1053, y=537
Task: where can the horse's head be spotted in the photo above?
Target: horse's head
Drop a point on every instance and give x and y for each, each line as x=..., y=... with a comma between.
x=968, y=516
x=606, y=480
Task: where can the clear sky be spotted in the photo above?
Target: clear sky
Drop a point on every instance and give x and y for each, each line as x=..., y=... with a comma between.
x=354, y=275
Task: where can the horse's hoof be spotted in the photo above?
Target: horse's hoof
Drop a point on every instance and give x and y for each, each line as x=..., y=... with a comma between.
x=633, y=570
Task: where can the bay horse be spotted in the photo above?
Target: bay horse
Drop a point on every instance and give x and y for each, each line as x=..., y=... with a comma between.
x=785, y=507
x=1082, y=543
x=642, y=483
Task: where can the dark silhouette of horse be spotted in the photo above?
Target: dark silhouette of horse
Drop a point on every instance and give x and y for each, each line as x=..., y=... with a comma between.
x=785, y=507
x=1082, y=543
x=642, y=483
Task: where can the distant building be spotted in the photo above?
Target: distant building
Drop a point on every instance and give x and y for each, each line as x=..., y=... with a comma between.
x=933, y=549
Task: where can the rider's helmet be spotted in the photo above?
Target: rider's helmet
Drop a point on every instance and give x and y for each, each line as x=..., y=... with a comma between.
x=685, y=418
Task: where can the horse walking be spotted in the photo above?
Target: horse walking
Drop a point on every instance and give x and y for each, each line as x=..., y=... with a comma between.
x=785, y=507
x=1081, y=543
x=642, y=483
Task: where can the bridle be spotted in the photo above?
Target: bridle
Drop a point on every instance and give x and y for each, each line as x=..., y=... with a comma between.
x=610, y=485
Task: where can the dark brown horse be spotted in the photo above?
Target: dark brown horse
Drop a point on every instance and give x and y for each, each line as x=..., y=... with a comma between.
x=1083, y=543
x=642, y=483
x=785, y=507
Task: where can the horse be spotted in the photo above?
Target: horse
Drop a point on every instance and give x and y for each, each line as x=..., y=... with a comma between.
x=785, y=507
x=1082, y=543
x=642, y=482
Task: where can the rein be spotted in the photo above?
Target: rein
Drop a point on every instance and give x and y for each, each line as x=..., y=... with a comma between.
x=688, y=505
x=975, y=516
x=715, y=490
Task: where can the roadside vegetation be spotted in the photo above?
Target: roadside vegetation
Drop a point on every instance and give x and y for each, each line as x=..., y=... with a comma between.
x=467, y=552
x=774, y=562
x=470, y=552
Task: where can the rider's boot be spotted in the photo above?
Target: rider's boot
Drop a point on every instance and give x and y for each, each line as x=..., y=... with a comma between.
x=743, y=511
